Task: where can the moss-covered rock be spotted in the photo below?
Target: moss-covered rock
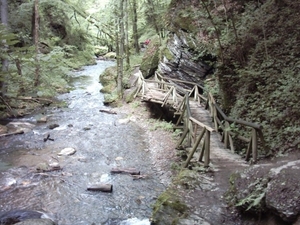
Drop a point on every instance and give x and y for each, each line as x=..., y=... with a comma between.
x=110, y=55
x=151, y=58
x=108, y=79
x=168, y=209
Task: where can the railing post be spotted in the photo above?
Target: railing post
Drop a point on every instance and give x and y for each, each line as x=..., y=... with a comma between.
x=189, y=140
x=207, y=149
x=254, y=144
x=249, y=148
x=226, y=131
x=196, y=93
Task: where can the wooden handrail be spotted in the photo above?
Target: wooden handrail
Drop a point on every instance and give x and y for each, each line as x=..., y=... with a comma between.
x=221, y=121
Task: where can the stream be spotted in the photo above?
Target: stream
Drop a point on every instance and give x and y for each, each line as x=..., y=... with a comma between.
x=101, y=143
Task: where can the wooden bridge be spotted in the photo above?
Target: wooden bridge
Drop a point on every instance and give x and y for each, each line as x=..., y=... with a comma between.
x=200, y=118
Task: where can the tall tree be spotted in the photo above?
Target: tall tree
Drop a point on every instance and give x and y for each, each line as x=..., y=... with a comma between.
x=134, y=27
x=127, y=50
x=35, y=26
x=4, y=21
x=121, y=49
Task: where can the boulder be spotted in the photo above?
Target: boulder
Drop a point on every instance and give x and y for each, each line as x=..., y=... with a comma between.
x=110, y=55
x=283, y=191
x=268, y=188
x=19, y=125
x=25, y=217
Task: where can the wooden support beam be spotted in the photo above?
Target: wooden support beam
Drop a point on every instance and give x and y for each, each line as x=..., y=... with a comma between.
x=194, y=148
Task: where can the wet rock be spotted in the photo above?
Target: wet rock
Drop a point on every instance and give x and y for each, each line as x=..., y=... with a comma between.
x=55, y=166
x=67, y=151
x=17, y=126
x=25, y=217
x=53, y=126
x=42, y=167
x=124, y=121
x=42, y=119
x=45, y=167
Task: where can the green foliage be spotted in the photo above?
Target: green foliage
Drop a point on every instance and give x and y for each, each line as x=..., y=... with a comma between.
x=258, y=73
x=187, y=179
x=247, y=194
x=163, y=125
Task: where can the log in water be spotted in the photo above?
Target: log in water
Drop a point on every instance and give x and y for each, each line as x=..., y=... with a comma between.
x=101, y=187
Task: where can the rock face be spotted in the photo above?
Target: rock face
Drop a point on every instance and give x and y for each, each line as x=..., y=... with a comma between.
x=283, y=191
x=179, y=60
x=268, y=188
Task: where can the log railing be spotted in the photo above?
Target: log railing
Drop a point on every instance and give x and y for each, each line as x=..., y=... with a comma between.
x=191, y=133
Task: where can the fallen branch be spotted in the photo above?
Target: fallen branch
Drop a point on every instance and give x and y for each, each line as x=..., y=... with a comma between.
x=107, y=111
x=7, y=106
x=131, y=171
x=47, y=137
x=35, y=99
x=138, y=177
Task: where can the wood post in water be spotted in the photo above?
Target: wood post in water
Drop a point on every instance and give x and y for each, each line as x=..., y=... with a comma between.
x=207, y=149
x=101, y=187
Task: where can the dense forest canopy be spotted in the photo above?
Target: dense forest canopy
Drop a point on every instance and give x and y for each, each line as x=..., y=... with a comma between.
x=42, y=40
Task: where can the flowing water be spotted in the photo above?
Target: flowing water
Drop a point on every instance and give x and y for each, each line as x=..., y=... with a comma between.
x=101, y=143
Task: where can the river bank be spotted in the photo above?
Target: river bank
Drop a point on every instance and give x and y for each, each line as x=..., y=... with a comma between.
x=101, y=141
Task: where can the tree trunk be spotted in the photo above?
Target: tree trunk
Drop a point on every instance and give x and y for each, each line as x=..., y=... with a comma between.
x=4, y=21
x=135, y=28
x=36, y=41
x=127, y=50
x=154, y=19
x=216, y=29
x=117, y=41
x=121, y=49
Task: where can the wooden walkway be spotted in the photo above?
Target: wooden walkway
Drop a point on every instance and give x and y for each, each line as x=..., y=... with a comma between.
x=207, y=132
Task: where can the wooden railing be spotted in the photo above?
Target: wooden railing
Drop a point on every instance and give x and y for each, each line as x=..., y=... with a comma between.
x=180, y=101
x=191, y=135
